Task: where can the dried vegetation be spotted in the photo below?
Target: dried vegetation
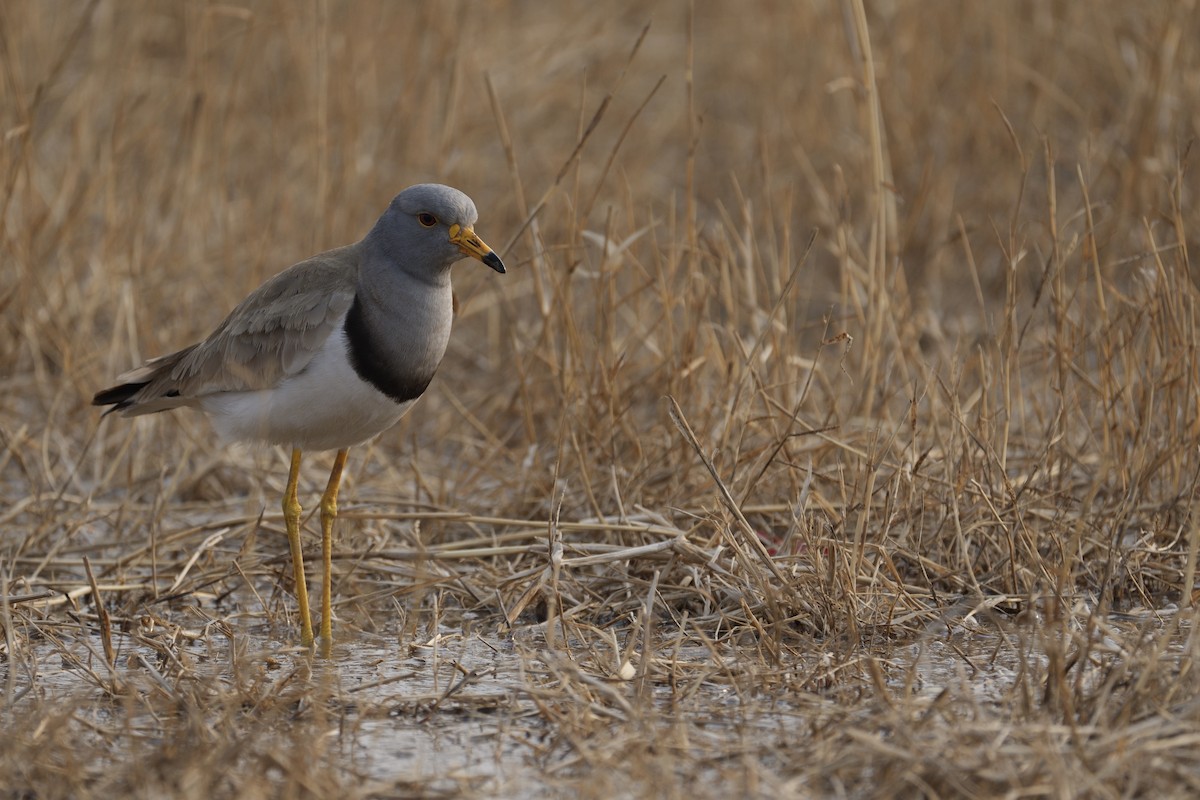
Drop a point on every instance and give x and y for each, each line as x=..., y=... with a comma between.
x=835, y=431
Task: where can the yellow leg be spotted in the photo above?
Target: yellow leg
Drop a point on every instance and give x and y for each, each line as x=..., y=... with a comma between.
x=291, y=517
x=328, y=515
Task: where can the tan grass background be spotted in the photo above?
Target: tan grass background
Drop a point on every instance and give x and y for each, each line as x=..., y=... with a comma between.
x=832, y=337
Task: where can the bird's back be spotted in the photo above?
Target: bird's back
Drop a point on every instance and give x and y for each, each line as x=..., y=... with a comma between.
x=273, y=334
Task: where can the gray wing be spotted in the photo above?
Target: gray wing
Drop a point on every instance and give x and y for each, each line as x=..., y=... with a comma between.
x=271, y=334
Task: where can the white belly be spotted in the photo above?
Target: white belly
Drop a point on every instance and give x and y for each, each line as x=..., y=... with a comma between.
x=325, y=407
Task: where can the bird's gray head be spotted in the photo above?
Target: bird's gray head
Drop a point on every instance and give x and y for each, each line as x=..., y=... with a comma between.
x=428, y=227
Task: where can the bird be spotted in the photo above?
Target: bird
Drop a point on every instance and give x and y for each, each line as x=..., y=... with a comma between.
x=325, y=355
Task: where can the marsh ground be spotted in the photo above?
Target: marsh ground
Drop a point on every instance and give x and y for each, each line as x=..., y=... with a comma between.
x=834, y=432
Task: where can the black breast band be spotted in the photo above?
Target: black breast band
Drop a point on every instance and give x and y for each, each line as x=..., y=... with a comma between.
x=371, y=363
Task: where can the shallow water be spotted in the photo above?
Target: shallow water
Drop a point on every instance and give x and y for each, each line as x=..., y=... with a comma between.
x=506, y=715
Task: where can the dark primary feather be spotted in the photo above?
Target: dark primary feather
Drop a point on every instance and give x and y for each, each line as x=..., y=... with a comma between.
x=116, y=396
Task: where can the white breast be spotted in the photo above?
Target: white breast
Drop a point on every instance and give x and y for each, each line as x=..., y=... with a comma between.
x=325, y=407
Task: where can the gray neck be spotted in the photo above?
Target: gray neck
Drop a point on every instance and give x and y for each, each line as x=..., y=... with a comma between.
x=398, y=327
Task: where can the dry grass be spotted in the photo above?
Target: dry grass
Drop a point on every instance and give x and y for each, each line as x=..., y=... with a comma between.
x=835, y=431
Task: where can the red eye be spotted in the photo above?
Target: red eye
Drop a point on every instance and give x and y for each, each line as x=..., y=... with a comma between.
x=426, y=219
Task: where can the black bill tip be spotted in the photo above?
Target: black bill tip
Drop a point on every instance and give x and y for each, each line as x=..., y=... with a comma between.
x=493, y=261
